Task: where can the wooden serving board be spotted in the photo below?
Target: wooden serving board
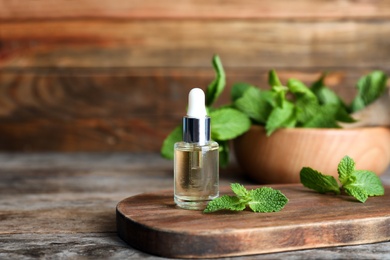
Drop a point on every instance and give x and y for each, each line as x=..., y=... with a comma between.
x=152, y=223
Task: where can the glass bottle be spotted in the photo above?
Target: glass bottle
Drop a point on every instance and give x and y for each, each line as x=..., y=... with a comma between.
x=196, y=165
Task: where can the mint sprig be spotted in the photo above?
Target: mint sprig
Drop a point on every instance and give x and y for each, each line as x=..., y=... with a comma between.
x=358, y=183
x=296, y=105
x=370, y=87
x=226, y=122
x=253, y=102
x=263, y=199
x=223, y=127
x=282, y=106
x=216, y=87
x=317, y=181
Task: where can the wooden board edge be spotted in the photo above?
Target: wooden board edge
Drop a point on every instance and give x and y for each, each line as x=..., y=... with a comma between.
x=172, y=244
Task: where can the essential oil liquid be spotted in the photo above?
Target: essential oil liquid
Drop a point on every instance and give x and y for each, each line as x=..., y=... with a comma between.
x=196, y=174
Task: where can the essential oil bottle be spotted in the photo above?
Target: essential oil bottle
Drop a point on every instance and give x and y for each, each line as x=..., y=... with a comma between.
x=196, y=166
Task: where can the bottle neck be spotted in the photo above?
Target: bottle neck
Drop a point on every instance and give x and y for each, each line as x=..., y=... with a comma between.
x=196, y=130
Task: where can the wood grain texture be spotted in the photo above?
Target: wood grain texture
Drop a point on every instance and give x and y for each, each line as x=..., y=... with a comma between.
x=92, y=75
x=191, y=43
x=194, y=9
x=110, y=246
x=152, y=223
x=116, y=110
x=124, y=93
x=85, y=135
x=52, y=186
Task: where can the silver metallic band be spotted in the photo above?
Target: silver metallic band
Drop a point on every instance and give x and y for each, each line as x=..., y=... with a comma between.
x=196, y=130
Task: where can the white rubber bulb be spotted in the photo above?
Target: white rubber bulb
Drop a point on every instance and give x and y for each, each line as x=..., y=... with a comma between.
x=196, y=104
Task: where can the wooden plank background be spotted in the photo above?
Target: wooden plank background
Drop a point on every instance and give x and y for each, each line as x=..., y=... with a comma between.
x=114, y=75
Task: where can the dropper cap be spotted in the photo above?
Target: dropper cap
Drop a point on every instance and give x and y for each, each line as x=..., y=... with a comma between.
x=196, y=125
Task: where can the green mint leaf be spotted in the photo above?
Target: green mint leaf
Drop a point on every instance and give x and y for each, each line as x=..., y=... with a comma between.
x=358, y=183
x=306, y=102
x=317, y=181
x=360, y=180
x=273, y=79
x=342, y=115
x=324, y=94
x=238, y=90
x=167, y=148
x=281, y=117
x=300, y=90
x=367, y=181
x=363, y=184
x=319, y=83
x=370, y=87
x=267, y=200
x=259, y=200
x=228, y=123
x=345, y=169
x=277, y=88
x=254, y=103
x=239, y=190
x=357, y=192
x=306, y=110
x=372, y=183
x=223, y=153
x=225, y=203
x=216, y=87
x=279, y=96
x=327, y=96
x=325, y=117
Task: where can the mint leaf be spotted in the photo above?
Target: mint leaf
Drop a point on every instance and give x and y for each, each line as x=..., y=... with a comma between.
x=167, y=148
x=279, y=96
x=239, y=190
x=259, y=200
x=358, y=192
x=300, y=90
x=306, y=102
x=225, y=203
x=327, y=96
x=345, y=169
x=324, y=94
x=370, y=87
x=306, y=111
x=368, y=181
x=267, y=200
x=358, y=183
x=254, y=103
x=342, y=115
x=281, y=117
x=228, y=123
x=216, y=87
x=277, y=89
x=325, y=117
x=317, y=181
x=363, y=184
x=238, y=90
x=273, y=79
x=319, y=83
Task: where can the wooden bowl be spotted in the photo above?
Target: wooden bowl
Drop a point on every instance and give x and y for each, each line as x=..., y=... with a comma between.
x=280, y=157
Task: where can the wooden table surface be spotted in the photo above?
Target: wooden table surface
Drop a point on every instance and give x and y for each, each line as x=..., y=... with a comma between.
x=63, y=206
